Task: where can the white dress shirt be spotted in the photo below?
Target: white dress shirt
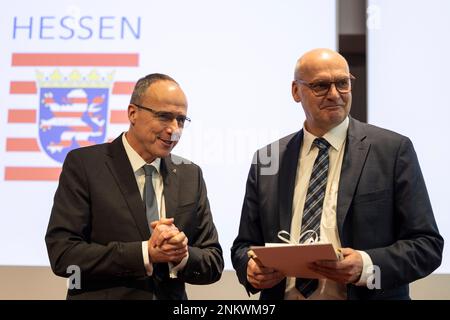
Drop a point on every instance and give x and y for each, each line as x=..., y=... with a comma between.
x=137, y=163
x=327, y=289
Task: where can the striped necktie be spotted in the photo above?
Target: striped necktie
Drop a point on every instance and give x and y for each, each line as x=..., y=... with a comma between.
x=312, y=211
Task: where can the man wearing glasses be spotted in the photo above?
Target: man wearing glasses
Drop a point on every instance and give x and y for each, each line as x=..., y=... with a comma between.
x=354, y=185
x=133, y=218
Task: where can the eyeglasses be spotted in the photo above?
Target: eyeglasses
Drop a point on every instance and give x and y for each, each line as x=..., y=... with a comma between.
x=322, y=87
x=167, y=117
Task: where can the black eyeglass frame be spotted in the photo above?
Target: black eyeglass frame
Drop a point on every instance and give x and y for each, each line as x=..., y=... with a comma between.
x=311, y=85
x=165, y=116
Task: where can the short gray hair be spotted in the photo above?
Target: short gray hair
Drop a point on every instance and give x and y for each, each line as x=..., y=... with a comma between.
x=143, y=83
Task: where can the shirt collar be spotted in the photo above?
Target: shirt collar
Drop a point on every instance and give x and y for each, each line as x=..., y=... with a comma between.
x=335, y=137
x=135, y=159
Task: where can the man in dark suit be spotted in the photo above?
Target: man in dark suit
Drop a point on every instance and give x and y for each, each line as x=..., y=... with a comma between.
x=132, y=217
x=355, y=185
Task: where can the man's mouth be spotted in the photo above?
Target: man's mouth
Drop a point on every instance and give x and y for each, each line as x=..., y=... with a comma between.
x=334, y=106
x=168, y=143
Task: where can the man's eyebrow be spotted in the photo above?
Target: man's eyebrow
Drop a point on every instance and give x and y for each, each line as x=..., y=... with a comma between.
x=320, y=80
x=327, y=79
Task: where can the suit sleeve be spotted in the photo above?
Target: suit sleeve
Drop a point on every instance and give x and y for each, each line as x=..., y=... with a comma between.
x=249, y=228
x=68, y=234
x=205, y=263
x=418, y=250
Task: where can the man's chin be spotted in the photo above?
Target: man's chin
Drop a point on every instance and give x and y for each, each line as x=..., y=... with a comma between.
x=164, y=153
x=335, y=118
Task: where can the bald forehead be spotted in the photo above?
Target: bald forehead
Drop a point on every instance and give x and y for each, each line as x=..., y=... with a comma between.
x=318, y=60
x=166, y=91
x=161, y=87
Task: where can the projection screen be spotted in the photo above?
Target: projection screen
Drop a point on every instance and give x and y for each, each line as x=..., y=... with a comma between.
x=408, y=68
x=233, y=58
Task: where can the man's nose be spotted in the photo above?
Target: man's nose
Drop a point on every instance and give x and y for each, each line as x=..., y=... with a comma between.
x=173, y=125
x=333, y=93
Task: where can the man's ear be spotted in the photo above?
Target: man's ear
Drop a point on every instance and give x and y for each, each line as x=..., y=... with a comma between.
x=132, y=114
x=296, y=92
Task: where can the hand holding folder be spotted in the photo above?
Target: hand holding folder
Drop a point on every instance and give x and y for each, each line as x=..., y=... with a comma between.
x=293, y=259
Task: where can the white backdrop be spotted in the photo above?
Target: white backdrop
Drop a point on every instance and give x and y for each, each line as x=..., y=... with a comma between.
x=408, y=82
x=234, y=59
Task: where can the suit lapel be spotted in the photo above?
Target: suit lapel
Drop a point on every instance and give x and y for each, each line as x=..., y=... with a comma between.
x=121, y=169
x=355, y=155
x=169, y=173
x=286, y=181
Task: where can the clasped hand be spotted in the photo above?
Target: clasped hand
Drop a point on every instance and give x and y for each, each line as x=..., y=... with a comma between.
x=167, y=243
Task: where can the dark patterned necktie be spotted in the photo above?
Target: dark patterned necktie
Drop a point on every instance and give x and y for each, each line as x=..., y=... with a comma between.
x=151, y=206
x=312, y=211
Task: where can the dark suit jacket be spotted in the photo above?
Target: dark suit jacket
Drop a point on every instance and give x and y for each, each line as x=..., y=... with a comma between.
x=382, y=208
x=98, y=223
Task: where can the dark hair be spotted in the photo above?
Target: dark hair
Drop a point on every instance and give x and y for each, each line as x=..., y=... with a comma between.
x=143, y=83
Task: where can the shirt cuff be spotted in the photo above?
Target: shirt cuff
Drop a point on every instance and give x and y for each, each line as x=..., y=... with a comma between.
x=148, y=265
x=367, y=270
x=173, y=270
